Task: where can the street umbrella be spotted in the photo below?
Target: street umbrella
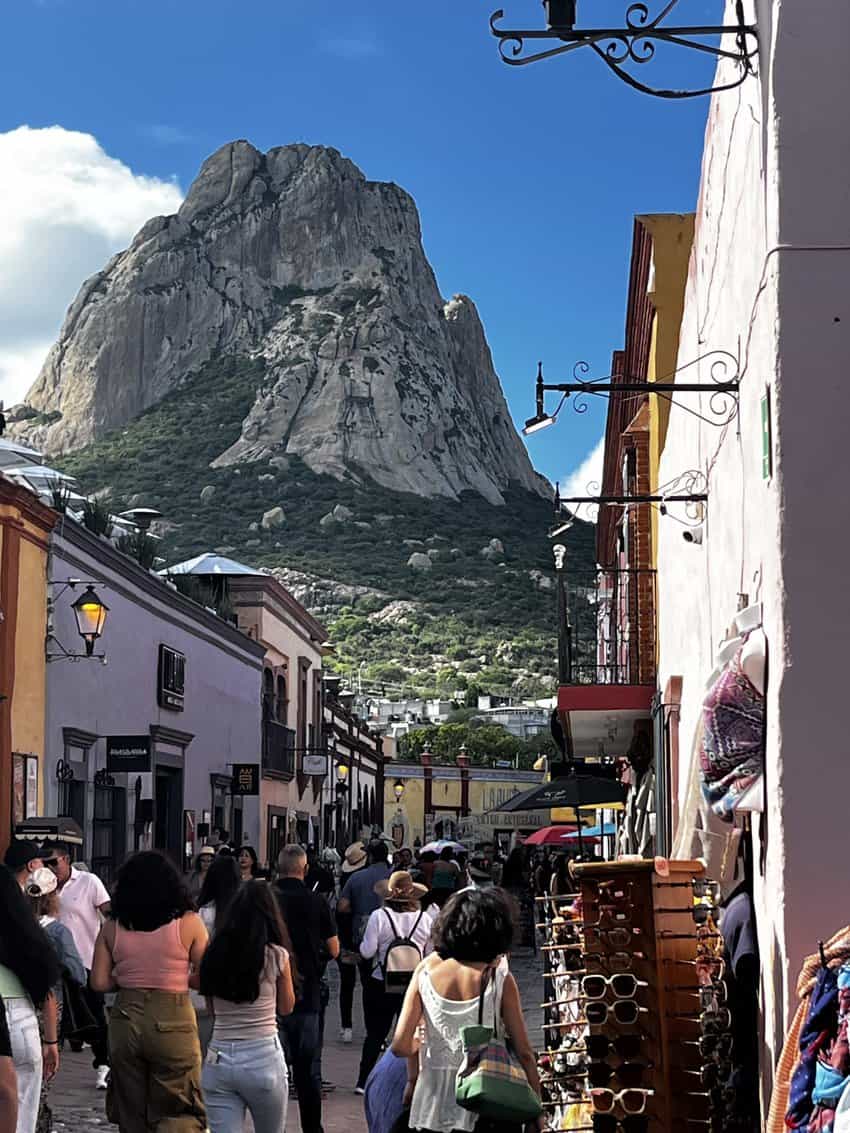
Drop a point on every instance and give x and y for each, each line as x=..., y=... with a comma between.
x=440, y=845
x=573, y=790
x=550, y=836
x=593, y=791
x=594, y=832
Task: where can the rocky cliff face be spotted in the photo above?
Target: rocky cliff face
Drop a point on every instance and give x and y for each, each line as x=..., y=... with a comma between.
x=294, y=257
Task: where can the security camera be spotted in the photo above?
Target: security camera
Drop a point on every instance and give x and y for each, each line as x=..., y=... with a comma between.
x=694, y=534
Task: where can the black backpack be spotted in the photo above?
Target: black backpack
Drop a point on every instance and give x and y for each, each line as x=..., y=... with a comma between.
x=401, y=959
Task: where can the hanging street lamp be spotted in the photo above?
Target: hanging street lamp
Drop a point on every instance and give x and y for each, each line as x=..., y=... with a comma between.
x=633, y=44
x=90, y=613
x=398, y=790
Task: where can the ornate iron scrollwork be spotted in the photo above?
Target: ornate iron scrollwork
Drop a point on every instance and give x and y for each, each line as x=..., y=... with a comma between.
x=635, y=44
x=722, y=389
x=64, y=771
x=102, y=778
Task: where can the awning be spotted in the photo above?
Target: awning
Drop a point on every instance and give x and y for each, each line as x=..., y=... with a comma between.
x=59, y=829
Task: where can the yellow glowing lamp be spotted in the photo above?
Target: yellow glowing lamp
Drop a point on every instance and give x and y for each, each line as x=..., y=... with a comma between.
x=90, y=613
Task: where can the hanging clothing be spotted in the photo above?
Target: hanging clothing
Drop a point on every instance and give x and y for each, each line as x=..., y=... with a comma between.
x=836, y=952
x=637, y=832
x=732, y=755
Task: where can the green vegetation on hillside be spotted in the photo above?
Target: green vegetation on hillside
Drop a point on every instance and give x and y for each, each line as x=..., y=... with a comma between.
x=469, y=618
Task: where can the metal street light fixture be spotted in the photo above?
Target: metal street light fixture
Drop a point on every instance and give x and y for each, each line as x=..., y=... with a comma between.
x=90, y=613
x=398, y=790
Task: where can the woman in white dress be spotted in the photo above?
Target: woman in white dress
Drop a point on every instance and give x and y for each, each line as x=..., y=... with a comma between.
x=471, y=938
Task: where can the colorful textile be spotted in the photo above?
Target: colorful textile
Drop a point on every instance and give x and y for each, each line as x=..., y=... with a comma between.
x=732, y=755
x=819, y=1028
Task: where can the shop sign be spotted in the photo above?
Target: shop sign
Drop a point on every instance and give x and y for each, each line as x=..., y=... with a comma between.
x=314, y=764
x=128, y=753
x=246, y=779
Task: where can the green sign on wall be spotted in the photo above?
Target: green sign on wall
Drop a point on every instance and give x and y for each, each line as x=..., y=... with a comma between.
x=766, y=437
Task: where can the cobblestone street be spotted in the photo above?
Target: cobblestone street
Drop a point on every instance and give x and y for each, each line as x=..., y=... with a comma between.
x=78, y=1108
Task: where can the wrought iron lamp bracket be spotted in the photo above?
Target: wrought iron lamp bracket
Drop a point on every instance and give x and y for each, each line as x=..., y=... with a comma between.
x=635, y=43
x=722, y=389
x=66, y=655
x=689, y=488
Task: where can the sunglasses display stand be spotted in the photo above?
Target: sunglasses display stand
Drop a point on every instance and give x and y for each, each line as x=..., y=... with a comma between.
x=634, y=919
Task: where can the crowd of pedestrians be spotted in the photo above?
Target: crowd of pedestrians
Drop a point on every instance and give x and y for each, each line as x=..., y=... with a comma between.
x=217, y=982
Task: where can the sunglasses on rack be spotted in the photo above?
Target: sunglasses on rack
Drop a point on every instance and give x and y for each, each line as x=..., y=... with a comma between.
x=609, y=1123
x=629, y=1074
x=712, y=1073
x=614, y=961
x=713, y=966
x=714, y=1044
x=701, y=887
x=608, y=890
x=709, y=994
x=596, y=912
x=624, y=1011
x=617, y=938
x=701, y=933
x=719, y=1019
x=622, y=985
x=626, y=1046
x=702, y=914
x=631, y=1101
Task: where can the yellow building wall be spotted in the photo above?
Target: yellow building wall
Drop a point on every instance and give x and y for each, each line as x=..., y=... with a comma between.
x=28, y=700
x=672, y=238
x=24, y=531
x=484, y=796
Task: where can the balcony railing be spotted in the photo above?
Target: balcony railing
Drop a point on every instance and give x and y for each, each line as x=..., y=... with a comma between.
x=611, y=628
x=278, y=749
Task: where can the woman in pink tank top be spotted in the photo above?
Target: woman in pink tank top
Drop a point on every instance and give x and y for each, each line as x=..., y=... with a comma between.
x=148, y=951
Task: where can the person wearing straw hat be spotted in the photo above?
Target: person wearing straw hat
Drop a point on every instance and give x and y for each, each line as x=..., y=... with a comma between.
x=401, y=919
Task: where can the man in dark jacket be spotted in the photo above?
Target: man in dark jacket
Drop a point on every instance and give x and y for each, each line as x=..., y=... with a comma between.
x=314, y=941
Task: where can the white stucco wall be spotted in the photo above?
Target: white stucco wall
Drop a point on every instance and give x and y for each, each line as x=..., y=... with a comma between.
x=775, y=193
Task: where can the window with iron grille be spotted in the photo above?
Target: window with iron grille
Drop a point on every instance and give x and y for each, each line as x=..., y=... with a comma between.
x=171, y=681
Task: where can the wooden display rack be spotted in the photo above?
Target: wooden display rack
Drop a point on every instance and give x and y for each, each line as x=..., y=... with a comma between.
x=664, y=954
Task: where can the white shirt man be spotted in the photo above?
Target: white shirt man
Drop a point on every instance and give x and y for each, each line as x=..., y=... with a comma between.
x=83, y=901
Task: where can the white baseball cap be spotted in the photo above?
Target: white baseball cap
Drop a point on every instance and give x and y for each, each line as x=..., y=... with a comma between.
x=40, y=882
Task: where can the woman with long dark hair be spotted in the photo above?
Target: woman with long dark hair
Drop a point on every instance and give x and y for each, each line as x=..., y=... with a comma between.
x=221, y=884
x=146, y=951
x=28, y=972
x=249, y=863
x=247, y=974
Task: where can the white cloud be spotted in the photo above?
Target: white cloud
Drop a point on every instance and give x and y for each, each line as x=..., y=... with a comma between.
x=67, y=206
x=586, y=480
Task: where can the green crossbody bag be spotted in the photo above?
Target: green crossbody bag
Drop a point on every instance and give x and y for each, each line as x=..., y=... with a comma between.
x=490, y=1081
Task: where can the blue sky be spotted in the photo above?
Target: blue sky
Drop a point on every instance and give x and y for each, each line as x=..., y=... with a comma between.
x=527, y=179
